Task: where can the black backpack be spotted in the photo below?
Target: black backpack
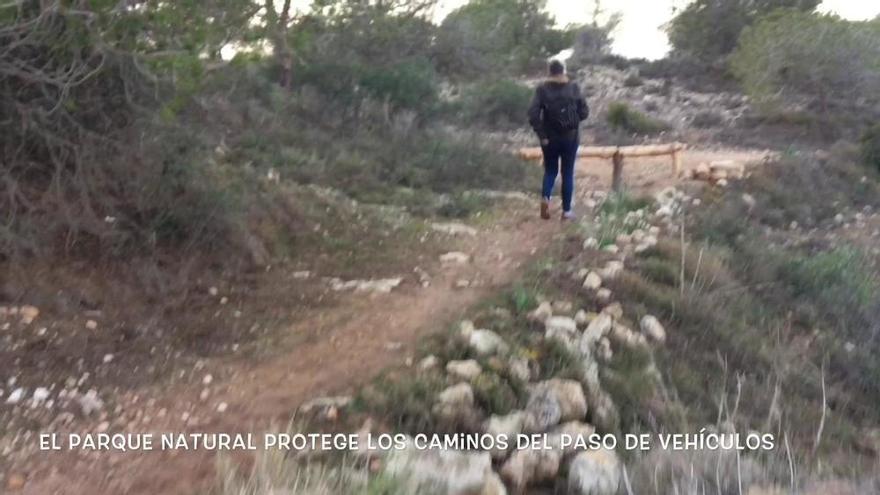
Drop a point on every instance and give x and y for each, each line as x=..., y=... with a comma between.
x=560, y=111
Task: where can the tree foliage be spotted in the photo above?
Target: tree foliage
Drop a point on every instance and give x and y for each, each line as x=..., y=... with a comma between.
x=709, y=29
x=790, y=55
x=492, y=36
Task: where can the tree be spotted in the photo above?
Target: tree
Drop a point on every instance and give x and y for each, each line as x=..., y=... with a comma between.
x=492, y=36
x=708, y=30
x=791, y=54
x=593, y=41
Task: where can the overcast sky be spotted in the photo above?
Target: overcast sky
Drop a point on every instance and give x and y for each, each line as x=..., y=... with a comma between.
x=641, y=32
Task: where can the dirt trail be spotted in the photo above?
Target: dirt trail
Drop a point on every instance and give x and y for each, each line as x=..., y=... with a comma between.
x=337, y=350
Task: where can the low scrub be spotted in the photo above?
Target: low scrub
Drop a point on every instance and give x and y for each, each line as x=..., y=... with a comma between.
x=622, y=117
x=498, y=103
x=870, y=147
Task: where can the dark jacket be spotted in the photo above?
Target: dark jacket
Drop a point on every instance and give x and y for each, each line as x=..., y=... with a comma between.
x=552, y=88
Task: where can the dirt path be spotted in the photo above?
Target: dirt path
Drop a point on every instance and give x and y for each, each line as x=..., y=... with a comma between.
x=336, y=351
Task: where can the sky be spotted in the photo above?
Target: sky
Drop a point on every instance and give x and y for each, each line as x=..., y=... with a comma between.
x=640, y=34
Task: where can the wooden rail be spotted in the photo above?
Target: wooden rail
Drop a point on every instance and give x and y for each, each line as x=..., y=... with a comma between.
x=617, y=155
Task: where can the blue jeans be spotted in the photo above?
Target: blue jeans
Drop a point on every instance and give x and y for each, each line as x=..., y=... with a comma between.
x=556, y=151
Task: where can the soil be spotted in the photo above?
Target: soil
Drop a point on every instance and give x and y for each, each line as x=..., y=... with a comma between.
x=332, y=348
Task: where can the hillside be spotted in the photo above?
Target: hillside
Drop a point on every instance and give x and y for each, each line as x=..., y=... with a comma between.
x=344, y=241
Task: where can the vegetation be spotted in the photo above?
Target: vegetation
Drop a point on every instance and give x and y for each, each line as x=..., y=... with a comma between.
x=622, y=117
x=494, y=37
x=791, y=54
x=870, y=147
x=501, y=103
x=708, y=30
x=141, y=137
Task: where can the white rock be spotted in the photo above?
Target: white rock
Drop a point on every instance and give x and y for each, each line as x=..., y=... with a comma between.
x=603, y=295
x=28, y=314
x=429, y=363
x=467, y=369
x=603, y=350
x=454, y=401
x=591, y=243
x=542, y=312
x=552, y=401
x=652, y=328
x=454, y=229
x=581, y=318
x=592, y=281
x=466, y=328
x=509, y=425
x=598, y=328
x=40, y=394
x=615, y=310
x=454, y=257
x=612, y=269
x=323, y=403
x=624, y=335
x=562, y=306
x=441, y=471
x=379, y=285
x=594, y=472
x=108, y=358
x=15, y=396
x=562, y=329
x=529, y=466
x=221, y=407
x=91, y=324
x=90, y=402
x=518, y=367
x=486, y=342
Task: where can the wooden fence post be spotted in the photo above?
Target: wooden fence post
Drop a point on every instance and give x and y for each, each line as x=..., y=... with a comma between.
x=617, y=176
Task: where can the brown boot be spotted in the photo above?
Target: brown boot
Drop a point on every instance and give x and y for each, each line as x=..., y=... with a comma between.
x=545, y=209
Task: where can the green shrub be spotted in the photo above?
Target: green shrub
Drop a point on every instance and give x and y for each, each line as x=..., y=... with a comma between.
x=870, y=147
x=706, y=119
x=708, y=30
x=622, y=117
x=837, y=280
x=789, y=55
x=497, y=37
x=633, y=81
x=497, y=103
x=410, y=84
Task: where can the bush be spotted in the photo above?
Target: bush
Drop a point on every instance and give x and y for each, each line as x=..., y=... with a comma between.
x=622, y=117
x=791, y=55
x=88, y=167
x=706, y=119
x=497, y=36
x=708, y=30
x=870, y=147
x=592, y=43
x=633, y=81
x=499, y=103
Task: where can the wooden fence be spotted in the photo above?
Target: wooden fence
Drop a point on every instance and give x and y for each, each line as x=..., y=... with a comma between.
x=617, y=154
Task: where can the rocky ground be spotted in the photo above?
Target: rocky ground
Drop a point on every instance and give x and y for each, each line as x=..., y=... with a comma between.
x=352, y=326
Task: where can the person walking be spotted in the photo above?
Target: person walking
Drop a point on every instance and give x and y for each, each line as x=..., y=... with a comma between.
x=555, y=114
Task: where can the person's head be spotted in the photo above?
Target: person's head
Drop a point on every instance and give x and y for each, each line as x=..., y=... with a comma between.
x=556, y=68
